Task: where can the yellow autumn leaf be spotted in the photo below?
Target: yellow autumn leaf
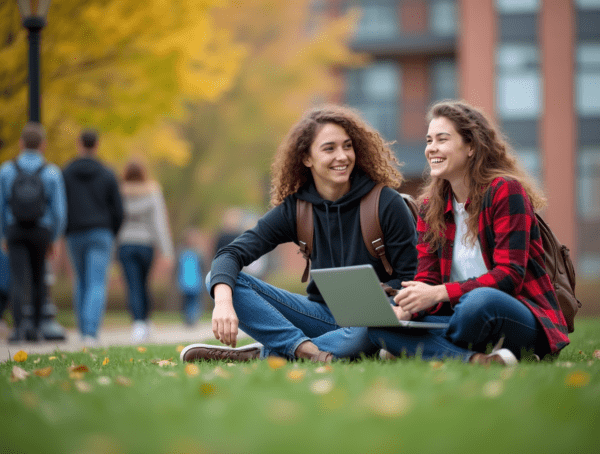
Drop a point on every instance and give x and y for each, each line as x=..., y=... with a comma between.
x=577, y=379
x=142, y=349
x=43, y=372
x=180, y=348
x=52, y=358
x=192, y=370
x=20, y=356
x=276, y=362
x=105, y=362
x=295, y=375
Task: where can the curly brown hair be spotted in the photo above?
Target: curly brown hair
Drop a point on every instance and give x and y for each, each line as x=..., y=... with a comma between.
x=373, y=154
x=492, y=158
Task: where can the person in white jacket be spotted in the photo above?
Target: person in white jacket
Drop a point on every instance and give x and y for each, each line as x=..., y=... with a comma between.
x=146, y=228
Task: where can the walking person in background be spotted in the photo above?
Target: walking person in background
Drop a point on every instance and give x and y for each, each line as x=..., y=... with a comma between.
x=146, y=227
x=330, y=158
x=32, y=216
x=190, y=279
x=94, y=216
x=481, y=259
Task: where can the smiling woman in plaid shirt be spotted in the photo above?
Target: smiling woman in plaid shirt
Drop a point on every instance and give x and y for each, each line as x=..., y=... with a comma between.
x=481, y=264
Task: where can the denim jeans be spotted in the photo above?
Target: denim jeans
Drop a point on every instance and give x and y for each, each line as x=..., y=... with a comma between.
x=480, y=319
x=90, y=253
x=136, y=260
x=192, y=307
x=282, y=320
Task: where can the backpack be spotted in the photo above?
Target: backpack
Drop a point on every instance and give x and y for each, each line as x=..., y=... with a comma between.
x=28, y=198
x=561, y=272
x=369, y=225
x=189, y=272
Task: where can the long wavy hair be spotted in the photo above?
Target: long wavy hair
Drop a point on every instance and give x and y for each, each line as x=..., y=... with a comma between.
x=373, y=154
x=492, y=158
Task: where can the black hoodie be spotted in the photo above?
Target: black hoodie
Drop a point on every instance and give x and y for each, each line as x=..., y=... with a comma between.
x=93, y=197
x=337, y=237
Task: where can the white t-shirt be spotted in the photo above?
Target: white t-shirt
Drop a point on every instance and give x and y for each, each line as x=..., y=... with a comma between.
x=467, y=259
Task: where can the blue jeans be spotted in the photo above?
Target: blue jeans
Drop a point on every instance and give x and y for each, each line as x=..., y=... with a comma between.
x=136, y=260
x=192, y=307
x=480, y=319
x=281, y=321
x=90, y=255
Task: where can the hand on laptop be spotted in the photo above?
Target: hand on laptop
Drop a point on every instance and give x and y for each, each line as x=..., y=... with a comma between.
x=418, y=296
x=401, y=313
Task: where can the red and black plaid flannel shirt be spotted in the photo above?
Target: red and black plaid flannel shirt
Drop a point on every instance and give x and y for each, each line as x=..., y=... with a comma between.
x=512, y=251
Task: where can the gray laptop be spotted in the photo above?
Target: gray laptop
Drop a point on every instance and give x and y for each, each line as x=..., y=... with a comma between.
x=355, y=298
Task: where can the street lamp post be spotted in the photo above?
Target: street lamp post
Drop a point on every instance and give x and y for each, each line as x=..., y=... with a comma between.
x=33, y=13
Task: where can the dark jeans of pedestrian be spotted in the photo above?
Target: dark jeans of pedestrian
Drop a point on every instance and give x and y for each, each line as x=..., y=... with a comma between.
x=27, y=248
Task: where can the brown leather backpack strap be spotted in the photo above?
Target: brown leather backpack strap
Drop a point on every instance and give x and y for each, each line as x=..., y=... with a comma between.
x=371, y=228
x=305, y=230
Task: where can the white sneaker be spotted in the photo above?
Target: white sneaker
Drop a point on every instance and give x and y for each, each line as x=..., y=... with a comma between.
x=503, y=356
x=140, y=332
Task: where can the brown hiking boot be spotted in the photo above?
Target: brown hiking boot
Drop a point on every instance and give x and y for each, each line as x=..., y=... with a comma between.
x=199, y=352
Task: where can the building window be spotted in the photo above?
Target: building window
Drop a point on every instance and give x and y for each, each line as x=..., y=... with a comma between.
x=518, y=83
x=375, y=91
x=442, y=17
x=379, y=19
x=517, y=6
x=588, y=4
x=587, y=84
x=443, y=79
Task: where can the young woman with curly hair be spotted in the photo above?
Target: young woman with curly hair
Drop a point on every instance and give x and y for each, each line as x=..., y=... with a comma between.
x=481, y=259
x=330, y=158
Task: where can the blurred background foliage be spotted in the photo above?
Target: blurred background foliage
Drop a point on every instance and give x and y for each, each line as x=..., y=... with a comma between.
x=204, y=89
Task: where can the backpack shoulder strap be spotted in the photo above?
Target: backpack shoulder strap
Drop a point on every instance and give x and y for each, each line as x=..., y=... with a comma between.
x=305, y=230
x=371, y=228
x=411, y=204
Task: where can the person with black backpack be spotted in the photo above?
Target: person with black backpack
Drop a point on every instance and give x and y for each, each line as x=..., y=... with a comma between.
x=33, y=216
x=331, y=160
x=482, y=266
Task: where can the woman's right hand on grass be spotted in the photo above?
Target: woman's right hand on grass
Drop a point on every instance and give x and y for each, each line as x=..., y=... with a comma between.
x=224, y=319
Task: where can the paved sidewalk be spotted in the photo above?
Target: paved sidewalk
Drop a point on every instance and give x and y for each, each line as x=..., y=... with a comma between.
x=163, y=333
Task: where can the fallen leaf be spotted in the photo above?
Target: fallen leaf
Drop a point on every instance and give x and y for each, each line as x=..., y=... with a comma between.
x=123, y=381
x=105, y=362
x=142, y=349
x=493, y=389
x=179, y=348
x=83, y=386
x=208, y=389
x=322, y=386
x=577, y=379
x=52, y=358
x=220, y=372
x=323, y=369
x=79, y=368
x=18, y=374
x=43, y=372
x=76, y=375
x=20, y=356
x=276, y=362
x=37, y=360
x=166, y=362
x=130, y=360
x=597, y=354
x=295, y=375
x=192, y=370
x=104, y=381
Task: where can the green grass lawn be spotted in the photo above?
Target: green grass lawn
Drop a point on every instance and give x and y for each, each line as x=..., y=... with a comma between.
x=147, y=401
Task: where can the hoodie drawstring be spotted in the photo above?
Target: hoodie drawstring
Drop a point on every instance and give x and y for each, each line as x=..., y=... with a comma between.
x=339, y=217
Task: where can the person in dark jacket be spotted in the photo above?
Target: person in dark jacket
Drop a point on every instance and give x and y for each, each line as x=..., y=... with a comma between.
x=481, y=258
x=94, y=216
x=330, y=158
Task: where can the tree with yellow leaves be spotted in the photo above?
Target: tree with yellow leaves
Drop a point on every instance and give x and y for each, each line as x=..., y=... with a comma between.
x=291, y=62
x=121, y=66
